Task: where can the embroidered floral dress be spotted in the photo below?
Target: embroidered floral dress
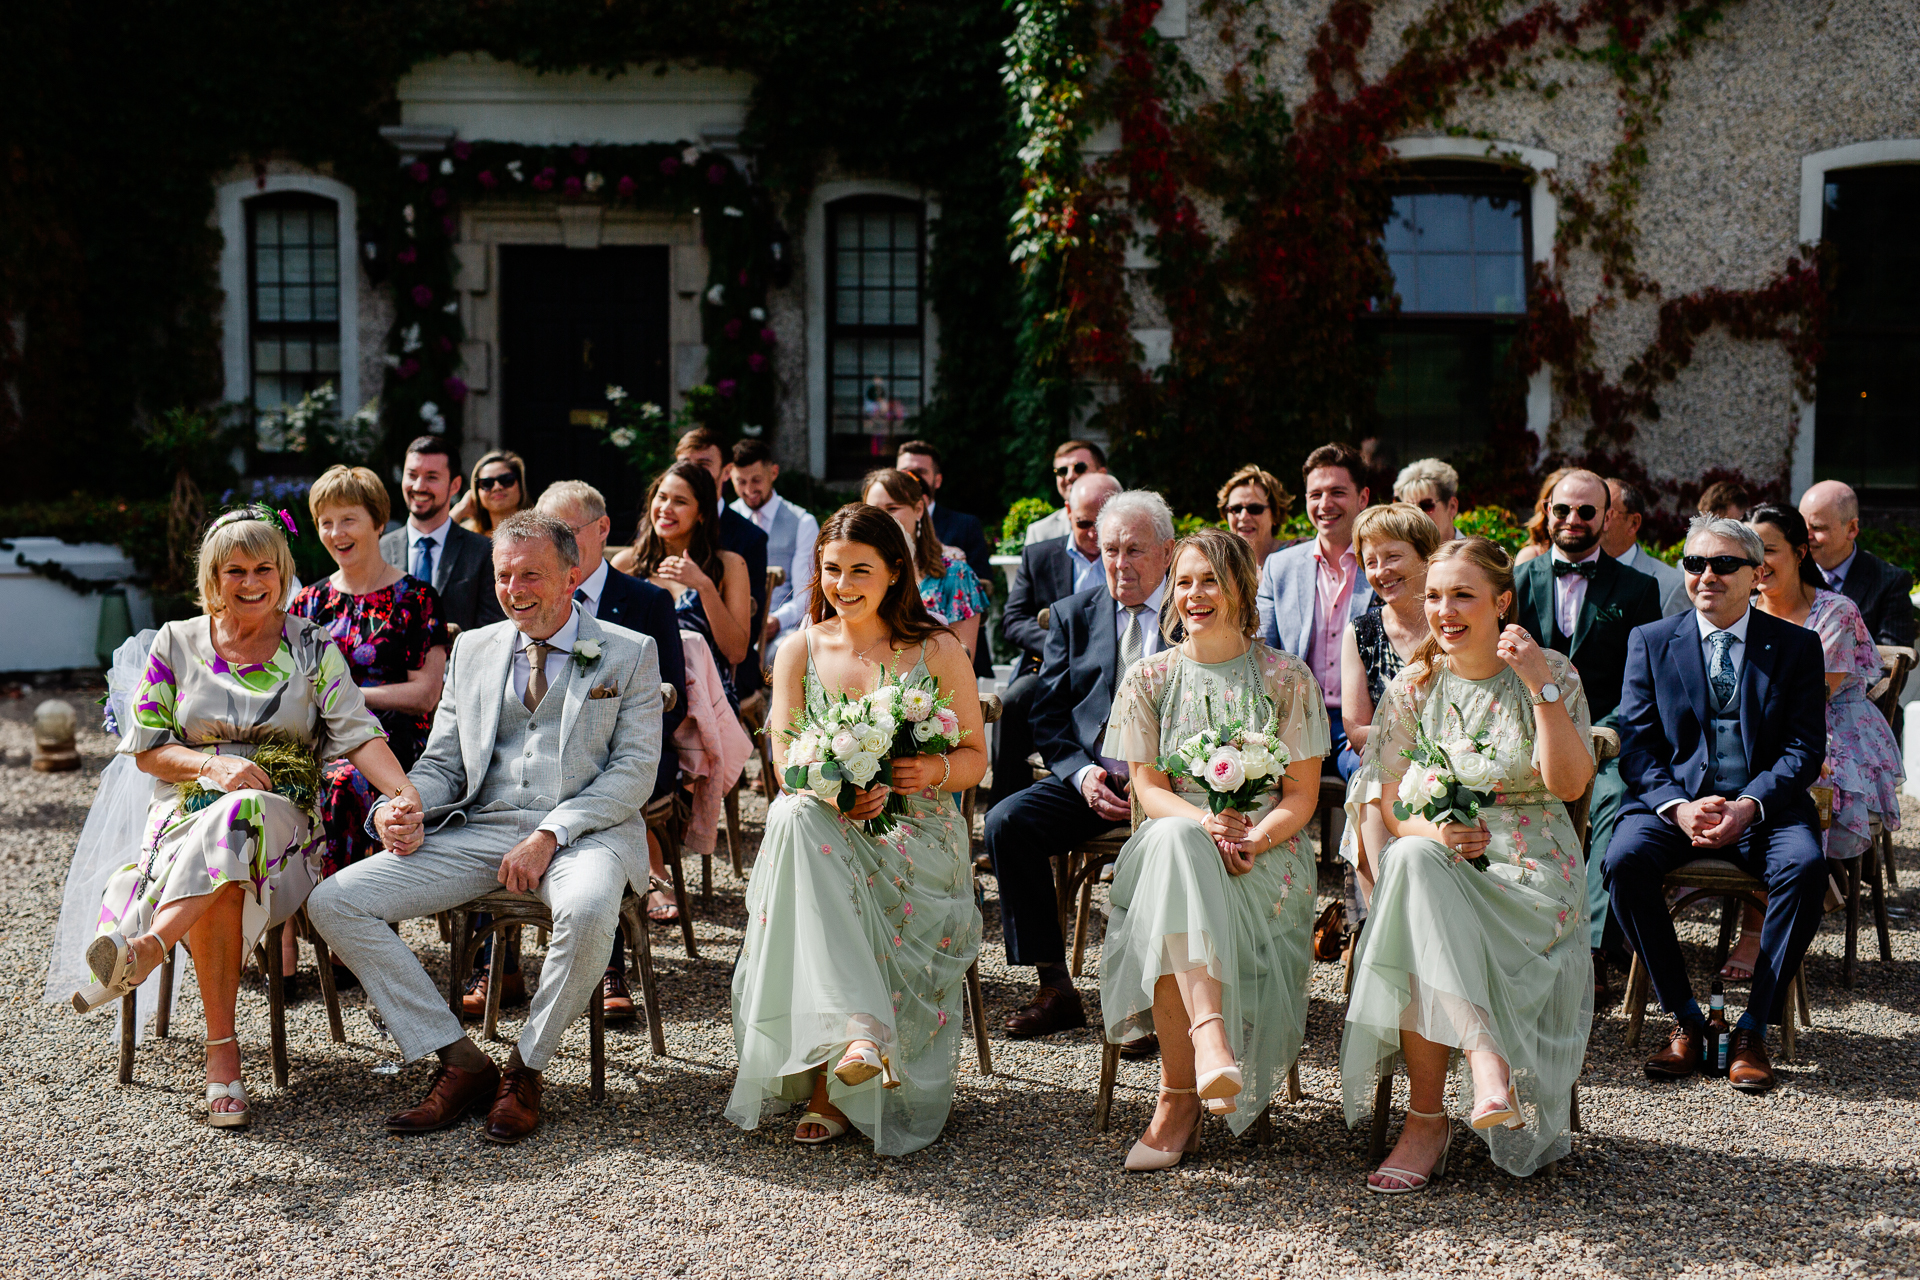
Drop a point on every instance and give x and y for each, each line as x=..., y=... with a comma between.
x=1175, y=908
x=190, y=696
x=954, y=594
x=852, y=937
x=1865, y=759
x=386, y=635
x=1493, y=959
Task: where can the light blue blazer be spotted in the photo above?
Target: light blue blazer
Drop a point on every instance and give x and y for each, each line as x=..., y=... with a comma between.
x=1287, y=583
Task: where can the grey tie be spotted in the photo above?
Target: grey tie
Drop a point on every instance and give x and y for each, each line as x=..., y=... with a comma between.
x=1131, y=639
x=537, y=674
x=1720, y=668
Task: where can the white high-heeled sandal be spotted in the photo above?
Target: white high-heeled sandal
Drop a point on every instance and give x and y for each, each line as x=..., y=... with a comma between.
x=861, y=1065
x=112, y=959
x=1497, y=1109
x=1414, y=1181
x=232, y=1090
x=1145, y=1159
x=1218, y=1088
x=834, y=1128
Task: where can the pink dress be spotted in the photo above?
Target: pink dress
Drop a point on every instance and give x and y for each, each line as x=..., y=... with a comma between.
x=1864, y=758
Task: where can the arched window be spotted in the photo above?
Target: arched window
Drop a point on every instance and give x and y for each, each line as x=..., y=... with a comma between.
x=293, y=296
x=875, y=330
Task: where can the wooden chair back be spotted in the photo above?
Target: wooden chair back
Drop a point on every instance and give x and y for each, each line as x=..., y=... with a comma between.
x=1606, y=746
x=1885, y=694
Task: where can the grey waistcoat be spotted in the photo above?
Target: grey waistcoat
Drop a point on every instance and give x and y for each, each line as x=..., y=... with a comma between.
x=782, y=542
x=1730, y=769
x=525, y=769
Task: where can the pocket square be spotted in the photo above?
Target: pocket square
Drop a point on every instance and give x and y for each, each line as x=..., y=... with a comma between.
x=604, y=691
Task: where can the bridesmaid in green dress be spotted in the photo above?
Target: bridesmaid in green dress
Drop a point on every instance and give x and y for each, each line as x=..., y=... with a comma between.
x=1210, y=941
x=1489, y=965
x=857, y=947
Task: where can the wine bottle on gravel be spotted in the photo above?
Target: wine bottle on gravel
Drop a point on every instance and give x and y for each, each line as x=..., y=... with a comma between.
x=1719, y=1035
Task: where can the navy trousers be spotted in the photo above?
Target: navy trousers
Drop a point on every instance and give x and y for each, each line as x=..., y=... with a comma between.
x=1785, y=856
x=1024, y=834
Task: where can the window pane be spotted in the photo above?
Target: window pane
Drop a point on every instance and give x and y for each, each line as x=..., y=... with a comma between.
x=266, y=303
x=266, y=226
x=1441, y=222
x=299, y=357
x=1446, y=282
x=266, y=356
x=1499, y=284
x=296, y=266
x=326, y=357
x=326, y=265
x=1406, y=279
x=266, y=268
x=296, y=304
x=326, y=303
x=1496, y=225
x=1399, y=235
x=323, y=227
x=295, y=227
x=1458, y=252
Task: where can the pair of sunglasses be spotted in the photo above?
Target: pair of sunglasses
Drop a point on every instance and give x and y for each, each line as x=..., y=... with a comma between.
x=1074, y=469
x=1085, y=524
x=1428, y=504
x=1248, y=509
x=487, y=483
x=1586, y=510
x=1724, y=566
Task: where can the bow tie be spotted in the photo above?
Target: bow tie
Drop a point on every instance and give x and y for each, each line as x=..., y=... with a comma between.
x=1585, y=568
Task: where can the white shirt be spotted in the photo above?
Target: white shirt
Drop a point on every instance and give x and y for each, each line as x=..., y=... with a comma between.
x=593, y=586
x=1087, y=571
x=799, y=584
x=522, y=671
x=1151, y=641
x=439, y=535
x=1570, y=592
x=1736, y=656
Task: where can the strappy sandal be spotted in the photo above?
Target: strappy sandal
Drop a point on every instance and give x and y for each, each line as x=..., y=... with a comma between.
x=1218, y=1088
x=834, y=1129
x=1145, y=1159
x=862, y=1065
x=113, y=962
x=1413, y=1182
x=232, y=1090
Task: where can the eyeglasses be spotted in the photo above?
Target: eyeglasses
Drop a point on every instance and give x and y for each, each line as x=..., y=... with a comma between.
x=1428, y=504
x=1248, y=509
x=1724, y=566
x=1085, y=524
x=487, y=483
x=1074, y=469
x=1586, y=510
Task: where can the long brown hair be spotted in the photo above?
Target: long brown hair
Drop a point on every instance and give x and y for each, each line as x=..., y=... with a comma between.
x=904, y=486
x=906, y=617
x=703, y=547
x=481, y=521
x=1537, y=534
x=1491, y=560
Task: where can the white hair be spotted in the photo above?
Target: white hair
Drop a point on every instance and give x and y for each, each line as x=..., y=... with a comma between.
x=1133, y=506
x=1427, y=473
x=1732, y=530
x=577, y=494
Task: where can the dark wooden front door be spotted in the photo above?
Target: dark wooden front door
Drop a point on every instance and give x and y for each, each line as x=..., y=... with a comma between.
x=572, y=323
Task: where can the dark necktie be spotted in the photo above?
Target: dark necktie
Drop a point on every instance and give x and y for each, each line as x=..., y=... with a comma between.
x=537, y=674
x=586, y=605
x=423, y=560
x=1585, y=568
x=1720, y=668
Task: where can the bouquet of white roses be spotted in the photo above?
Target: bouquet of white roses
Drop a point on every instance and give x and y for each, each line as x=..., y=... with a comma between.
x=1233, y=763
x=852, y=743
x=1448, y=781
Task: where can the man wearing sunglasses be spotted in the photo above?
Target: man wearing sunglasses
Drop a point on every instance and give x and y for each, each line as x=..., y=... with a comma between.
x=1722, y=730
x=1434, y=487
x=1071, y=460
x=1579, y=601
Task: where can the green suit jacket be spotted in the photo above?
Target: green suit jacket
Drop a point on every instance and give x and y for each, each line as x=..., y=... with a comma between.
x=1618, y=600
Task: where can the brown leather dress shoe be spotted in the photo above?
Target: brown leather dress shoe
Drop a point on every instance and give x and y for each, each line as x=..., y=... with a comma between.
x=452, y=1093
x=1748, y=1068
x=513, y=991
x=616, y=1002
x=1599, y=978
x=1145, y=1047
x=1051, y=1010
x=1681, y=1057
x=516, y=1106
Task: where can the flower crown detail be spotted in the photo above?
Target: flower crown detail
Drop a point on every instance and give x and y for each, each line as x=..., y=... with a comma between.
x=255, y=511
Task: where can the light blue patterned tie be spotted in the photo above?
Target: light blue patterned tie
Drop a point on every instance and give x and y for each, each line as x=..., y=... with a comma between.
x=1720, y=667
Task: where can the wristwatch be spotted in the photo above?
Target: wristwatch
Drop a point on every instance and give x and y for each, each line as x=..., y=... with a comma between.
x=1549, y=692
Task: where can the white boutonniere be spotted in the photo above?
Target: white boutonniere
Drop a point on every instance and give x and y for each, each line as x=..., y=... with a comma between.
x=586, y=653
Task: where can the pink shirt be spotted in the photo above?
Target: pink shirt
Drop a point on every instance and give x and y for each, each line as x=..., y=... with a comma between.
x=1332, y=598
x=1570, y=593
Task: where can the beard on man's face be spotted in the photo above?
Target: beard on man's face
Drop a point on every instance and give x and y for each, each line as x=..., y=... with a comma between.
x=1575, y=540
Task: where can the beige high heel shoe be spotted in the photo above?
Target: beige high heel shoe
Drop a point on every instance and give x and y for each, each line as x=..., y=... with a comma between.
x=1218, y=1088
x=1411, y=1181
x=1145, y=1159
x=862, y=1065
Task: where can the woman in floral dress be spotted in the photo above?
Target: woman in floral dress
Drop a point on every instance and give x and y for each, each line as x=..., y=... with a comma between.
x=857, y=946
x=948, y=587
x=1458, y=962
x=1210, y=942
x=217, y=688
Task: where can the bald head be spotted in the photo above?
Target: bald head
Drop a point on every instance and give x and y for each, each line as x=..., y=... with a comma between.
x=1084, y=500
x=1832, y=512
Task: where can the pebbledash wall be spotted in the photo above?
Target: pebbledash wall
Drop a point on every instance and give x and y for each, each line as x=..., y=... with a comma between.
x=1780, y=93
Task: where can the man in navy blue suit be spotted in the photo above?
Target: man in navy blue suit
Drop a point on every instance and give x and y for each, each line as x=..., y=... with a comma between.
x=1723, y=727
x=637, y=605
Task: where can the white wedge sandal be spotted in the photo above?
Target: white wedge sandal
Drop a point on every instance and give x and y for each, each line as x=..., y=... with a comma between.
x=232, y=1090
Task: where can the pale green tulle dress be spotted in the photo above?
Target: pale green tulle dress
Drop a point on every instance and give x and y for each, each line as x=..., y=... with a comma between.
x=1175, y=908
x=1477, y=960
x=852, y=937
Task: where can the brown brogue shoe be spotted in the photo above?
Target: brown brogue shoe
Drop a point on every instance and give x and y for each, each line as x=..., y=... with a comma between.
x=516, y=1106
x=451, y=1094
x=1143, y=1047
x=1052, y=1009
x=1681, y=1057
x=513, y=991
x=616, y=1002
x=1748, y=1068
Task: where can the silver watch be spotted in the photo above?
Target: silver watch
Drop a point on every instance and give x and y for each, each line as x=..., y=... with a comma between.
x=1549, y=692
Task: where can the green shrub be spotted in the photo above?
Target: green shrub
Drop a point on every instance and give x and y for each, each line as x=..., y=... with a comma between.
x=1013, y=527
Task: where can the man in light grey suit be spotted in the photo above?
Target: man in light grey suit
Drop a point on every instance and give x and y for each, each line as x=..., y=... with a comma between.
x=543, y=753
x=1311, y=592
x=1621, y=540
x=433, y=548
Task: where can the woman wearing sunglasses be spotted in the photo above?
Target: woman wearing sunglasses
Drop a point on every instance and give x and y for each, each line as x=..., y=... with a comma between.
x=1253, y=502
x=499, y=489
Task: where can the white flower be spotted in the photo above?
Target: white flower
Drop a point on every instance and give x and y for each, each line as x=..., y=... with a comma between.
x=588, y=649
x=861, y=766
x=717, y=294
x=1471, y=769
x=392, y=360
x=1421, y=786
x=1224, y=771
x=429, y=410
x=690, y=156
x=410, y=338
x=1257, y=763
x=916, y=704
x=948, y=721
x=871, y=740
x=616, y=394
x=845, y=744
x=732, y=212
x=758, y=313
x=926, y=730
x=594, y=182
x=622, y=437
x=885, y=724
x=406, y=211
x=818, y=784
x=803, y=750
x=513, y=167
x=751, y=429
x=446, y=166
x=1253, y=739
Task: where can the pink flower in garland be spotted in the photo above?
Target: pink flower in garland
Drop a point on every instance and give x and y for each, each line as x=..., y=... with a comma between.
x=406, y=256
x=626, y=186
x=756, y=362
x=726, y=387
x=731, y=328
x=571, y=186
x=768, y=336
x=456, y=388
x=487, y=179
x=407, y=368
x=462, y=150
x=670, y=165
x=717, y=174
x=422, y=296
x=443, y=343
x=417, y=171
x=439, y=197
x=579, y=155
x=543, y=181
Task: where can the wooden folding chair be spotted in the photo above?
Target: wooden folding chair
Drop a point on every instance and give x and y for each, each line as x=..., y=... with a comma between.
x=1899, y=662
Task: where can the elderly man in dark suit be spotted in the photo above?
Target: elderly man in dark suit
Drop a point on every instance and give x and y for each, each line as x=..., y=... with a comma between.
x=1723, y=728
x=1580, y=601
x=1095, y=635
x=1049, y=572
x=431, y=547
x=1880, y=589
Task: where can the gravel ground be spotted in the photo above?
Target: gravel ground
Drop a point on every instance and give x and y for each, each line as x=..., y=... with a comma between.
x=1820, y=1177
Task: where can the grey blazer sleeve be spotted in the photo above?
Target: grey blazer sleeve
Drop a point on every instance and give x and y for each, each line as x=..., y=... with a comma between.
x=633, y=755
x=1264, y=601
x=440, y=774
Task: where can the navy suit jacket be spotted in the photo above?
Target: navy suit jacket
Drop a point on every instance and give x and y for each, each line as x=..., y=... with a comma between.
x=958, y=529
x=1077, y=679
x=1666, y=738
x=1881, y=591
x=462, y=574
x=748, y=541
x=638, y=605
x=1044, y=578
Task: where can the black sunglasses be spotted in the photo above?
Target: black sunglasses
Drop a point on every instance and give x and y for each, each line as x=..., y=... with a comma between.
x=1586, y=511
x=1073, y=469
x=1724, y=566
x=486, y=483
x=1085, y=524
x=1428, y=504
x=1247, y=508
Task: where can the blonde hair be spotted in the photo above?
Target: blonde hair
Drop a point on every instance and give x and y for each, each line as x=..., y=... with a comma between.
x=1498, y=568
x=231, y=537
x=1396, y=522
x=1232, y=564
x=344, y=486
x=1278, y=499
x=1427, y=473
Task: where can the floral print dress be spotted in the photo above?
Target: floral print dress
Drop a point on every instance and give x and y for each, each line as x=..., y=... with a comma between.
x=1493, y=959
x=853, y=937
x=1175, y=908
x=385, y=634
x=191, y=696
x=954, y=594
x=1861, y=752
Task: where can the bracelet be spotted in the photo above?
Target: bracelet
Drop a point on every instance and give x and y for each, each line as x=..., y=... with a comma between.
x=946, y=772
